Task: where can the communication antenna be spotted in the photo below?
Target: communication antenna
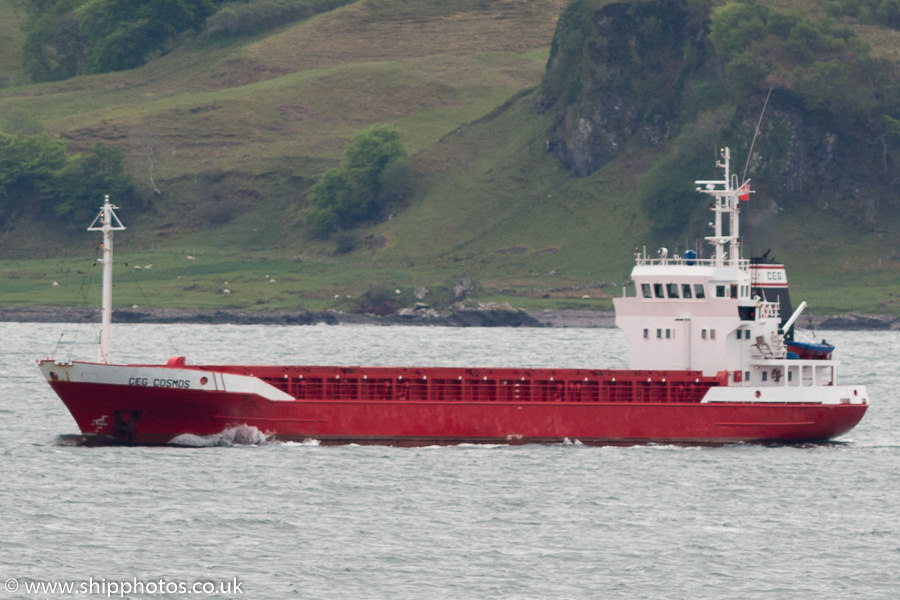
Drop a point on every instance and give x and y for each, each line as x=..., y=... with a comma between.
x=752, y=143
x=755, y=133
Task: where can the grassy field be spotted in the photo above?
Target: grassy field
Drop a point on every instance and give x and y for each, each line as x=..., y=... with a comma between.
x=11, y=38
x=539, y=239
x=236, y=134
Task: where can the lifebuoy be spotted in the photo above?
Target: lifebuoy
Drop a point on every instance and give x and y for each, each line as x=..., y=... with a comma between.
x=776, y=375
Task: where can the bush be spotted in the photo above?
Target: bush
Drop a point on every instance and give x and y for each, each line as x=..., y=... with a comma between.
x=379, y=300
x=375, y=176
x=346, y=242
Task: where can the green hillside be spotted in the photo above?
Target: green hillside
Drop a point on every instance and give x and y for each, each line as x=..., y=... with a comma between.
x=11, y=43
x=234, y=134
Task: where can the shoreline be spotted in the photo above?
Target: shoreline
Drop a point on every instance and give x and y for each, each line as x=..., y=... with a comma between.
x=489, y=316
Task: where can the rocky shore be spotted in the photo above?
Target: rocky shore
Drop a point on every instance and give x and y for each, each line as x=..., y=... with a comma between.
x=490, y=316
x=485, y=316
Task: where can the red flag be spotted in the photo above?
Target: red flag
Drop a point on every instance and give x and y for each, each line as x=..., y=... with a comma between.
x=744, y=192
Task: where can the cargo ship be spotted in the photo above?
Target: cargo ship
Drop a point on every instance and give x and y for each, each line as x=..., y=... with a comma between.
x=711, y=360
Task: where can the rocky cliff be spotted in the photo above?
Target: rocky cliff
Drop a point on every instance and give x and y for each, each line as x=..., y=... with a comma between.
x=677, y=72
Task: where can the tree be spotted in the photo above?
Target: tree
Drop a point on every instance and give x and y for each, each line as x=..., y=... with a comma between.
x=37, y=176
x=822, y=63
x=28, y=168
x=54, y=44
x=65, y=38
x=374, y=176
x=122, y=34
x=80, y=186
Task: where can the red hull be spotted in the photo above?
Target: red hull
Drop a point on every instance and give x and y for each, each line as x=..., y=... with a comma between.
x=547, y=406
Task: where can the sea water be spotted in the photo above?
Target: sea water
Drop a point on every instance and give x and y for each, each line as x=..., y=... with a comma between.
x=239, y=516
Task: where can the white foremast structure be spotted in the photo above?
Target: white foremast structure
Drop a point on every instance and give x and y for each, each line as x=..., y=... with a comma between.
x=698, y=314
x=106, y=221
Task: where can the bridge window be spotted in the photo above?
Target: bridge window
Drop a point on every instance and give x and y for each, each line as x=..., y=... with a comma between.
x=698, y=291
x=672, y=290
x=720, y=291
x=686, y=290
x=658, y=290
x=645, y=289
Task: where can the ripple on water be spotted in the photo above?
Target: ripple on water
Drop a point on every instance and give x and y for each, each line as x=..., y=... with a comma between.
x=302, y=520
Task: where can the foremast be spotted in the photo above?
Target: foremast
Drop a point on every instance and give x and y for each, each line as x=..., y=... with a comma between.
x=106, y=222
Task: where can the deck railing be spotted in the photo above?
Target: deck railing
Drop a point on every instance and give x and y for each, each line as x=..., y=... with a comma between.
x=592, y=390
x=642, y=259
x=769, y=310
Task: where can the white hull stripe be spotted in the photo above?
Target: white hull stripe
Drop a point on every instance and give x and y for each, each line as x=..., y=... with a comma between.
x=821, y=394
x=161, y=377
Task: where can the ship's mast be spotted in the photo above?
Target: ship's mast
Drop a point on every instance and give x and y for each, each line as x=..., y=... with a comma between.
x=107, y=222
x=726, y=202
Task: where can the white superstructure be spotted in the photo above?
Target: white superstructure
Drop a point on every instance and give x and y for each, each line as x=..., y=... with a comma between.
x=701, y=314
